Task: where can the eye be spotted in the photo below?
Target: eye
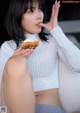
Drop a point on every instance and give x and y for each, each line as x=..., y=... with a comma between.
x=30, y=11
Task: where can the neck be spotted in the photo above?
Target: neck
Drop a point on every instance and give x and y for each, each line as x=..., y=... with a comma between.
x=31, y=36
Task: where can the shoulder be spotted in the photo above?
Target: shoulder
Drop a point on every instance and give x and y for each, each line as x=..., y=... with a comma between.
x=7, y=49
x=8, y=44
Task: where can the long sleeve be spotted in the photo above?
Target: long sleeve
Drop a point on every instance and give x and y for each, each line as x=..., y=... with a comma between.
x=5, y=53
x=67, y=51
x=3, y=60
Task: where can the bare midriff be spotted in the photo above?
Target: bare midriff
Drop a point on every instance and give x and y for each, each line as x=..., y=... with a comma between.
x=49, y=96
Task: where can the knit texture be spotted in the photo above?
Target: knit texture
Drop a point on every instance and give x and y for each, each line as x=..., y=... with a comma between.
x=43, y=62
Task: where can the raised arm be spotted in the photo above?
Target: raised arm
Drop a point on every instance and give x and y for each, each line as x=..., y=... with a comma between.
x=67, y=51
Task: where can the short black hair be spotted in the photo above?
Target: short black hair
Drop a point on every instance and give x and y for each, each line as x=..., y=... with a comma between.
x=14, y=16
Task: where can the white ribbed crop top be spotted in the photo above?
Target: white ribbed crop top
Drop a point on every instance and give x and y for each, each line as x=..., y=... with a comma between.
x=43, y=62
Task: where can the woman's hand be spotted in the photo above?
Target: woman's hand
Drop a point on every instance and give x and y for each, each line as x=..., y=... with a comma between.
x=23, y=52
x=54, y=17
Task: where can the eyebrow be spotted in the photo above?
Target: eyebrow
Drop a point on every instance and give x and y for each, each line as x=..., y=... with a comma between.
x=32, y=7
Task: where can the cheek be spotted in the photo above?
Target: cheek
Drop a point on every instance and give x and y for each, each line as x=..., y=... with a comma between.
x=27, y=25
x=25, y=22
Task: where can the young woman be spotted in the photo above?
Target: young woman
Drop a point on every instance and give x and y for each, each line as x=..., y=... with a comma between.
x=30, y=77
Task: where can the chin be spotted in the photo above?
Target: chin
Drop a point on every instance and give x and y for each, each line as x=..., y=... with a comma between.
x=37, y=31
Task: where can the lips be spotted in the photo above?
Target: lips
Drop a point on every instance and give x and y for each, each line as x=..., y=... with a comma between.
x=38, y=23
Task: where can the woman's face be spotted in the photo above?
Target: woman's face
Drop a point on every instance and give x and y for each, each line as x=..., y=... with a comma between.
x=31, y=20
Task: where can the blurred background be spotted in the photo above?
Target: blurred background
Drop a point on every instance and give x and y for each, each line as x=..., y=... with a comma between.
x=69, y=19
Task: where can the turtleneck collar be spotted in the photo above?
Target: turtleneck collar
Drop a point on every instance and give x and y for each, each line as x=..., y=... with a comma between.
x=31, y=36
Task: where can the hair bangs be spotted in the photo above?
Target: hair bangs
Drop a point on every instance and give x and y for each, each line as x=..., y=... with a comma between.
x=32, y=3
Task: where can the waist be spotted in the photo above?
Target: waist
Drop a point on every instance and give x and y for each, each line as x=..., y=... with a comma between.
x=47, y=92
x=49, y=96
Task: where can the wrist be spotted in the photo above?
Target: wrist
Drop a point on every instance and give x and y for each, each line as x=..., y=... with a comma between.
x=53, y=27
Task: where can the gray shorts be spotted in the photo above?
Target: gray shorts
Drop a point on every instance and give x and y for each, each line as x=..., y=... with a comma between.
x=45, y=108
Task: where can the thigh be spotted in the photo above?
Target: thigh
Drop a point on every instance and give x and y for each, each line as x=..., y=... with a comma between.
x=17, y=91
x=46, y=108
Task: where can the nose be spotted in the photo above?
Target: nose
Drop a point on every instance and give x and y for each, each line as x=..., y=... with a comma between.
x=39, y=15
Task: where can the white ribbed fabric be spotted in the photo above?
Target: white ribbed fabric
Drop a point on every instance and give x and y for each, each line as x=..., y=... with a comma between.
x=43, y=62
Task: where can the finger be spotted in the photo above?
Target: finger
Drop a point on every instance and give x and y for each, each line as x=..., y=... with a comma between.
x=57, y=4
x=43, y=25
x=55, y=8
x=18, y=50
x=25, y=51
x=56, y=1
x=28, y=53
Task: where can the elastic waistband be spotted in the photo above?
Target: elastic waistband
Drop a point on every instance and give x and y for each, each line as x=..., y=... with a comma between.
x=46, y=108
